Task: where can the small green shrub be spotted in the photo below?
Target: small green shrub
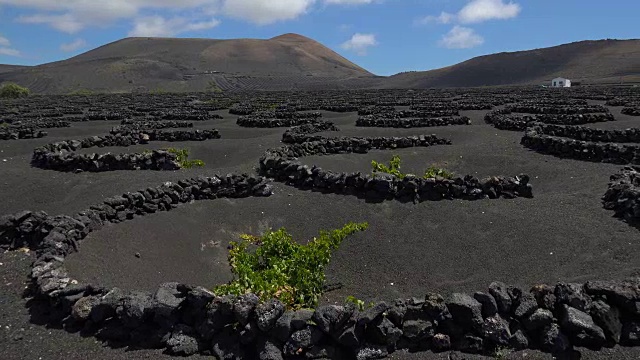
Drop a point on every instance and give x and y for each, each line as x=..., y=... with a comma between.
x=433, y=171
x=13, y=91
x=282, y=268
x=182, y=156
x=357, y=302
x=360, y=304
x=394, y=169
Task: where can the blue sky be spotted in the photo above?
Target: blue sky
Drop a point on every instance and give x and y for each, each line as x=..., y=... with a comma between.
x=383, y=36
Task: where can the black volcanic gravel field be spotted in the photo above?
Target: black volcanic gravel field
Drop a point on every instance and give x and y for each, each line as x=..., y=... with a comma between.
x=562, y=234
x=442, y=246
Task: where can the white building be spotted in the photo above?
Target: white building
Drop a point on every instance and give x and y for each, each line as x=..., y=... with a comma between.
x=560, y=82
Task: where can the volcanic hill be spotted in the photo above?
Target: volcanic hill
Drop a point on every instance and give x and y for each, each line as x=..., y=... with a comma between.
x=295, y=62
x=588, y=62
x=172, y=64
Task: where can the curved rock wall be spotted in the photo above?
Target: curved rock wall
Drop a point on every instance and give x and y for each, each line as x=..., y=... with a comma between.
x=535, y=139
x=186, y=319
x=61, y=156
x=72, y=162
x=354, y=145
x=133, y=125
x=623, y=195
x=301, y=133
x=272, y=123
x=378, y=121
x=41, y=123
x=631, y=135
x=505, y=120
x=19, y=133
x=631, y=111
x=557, y=110
x=380, y=187
x=281, y=165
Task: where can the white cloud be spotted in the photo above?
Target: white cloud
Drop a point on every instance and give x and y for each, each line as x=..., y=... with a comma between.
x=72, y=16
x=264, y=12
x=158, y=26
x=66, y=23
x=349, y=2
x=482, y=10
x=443, y=18
x=73, y=46
x=461, y=38
x=5, y=48
x=360, y=43
x=4, y=41
x=9, y=51
x=476, y=11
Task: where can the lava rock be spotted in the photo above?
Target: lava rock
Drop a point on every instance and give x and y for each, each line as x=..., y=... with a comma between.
x=267, y=350
x=243, y=307
x=373, y=312
x=441, y=342
x=417, y=331
x=108, y=305
x=301, y=319
x=470, y=344
x=466, y=311
x=630, y=334
x=540, y=319
x=489, y=305
x=496, y=330
x=572, y=295
x=219, y=312
x=331, y=318
x=608, y=318
x=519, y=340
x=554, y=341
x=623, y=294
x=182, y=342
x=527, y=305
x=249, y=333
x=135, y=309
x=81, y=310
x=396, y=312
x=322, y=352
x=301, y=341
x=372, y=352
x=167, y=300
x=268, y=313
x=226, y=346
x=383, y=332
x=282, y=329
x=581, y=328
x=353, y=336
x=499, y=292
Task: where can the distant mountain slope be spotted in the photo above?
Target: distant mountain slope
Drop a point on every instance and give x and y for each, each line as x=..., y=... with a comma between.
x=174, y=64
x=7, y=68
x=294, y=62
x=587, y=61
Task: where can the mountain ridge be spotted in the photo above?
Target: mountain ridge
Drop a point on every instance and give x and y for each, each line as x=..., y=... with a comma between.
x=292, y=61
x=588, y=61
